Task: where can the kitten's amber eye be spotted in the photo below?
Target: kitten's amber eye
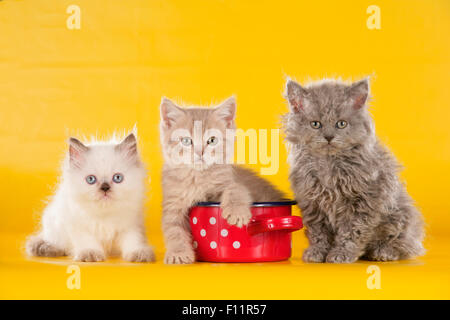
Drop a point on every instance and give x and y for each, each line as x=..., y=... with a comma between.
x=341, y=124
x=91, y=179
x=186, y=141
x=212, y=141
x=316, y=125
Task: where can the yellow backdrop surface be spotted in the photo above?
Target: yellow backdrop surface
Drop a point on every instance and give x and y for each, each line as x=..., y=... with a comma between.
x=110, y=74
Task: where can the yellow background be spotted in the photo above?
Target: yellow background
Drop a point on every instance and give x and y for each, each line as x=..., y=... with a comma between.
x=112, y=72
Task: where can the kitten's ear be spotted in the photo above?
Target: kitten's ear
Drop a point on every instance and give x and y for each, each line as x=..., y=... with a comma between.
x=227, y=111
x=169, y=112
x=358, y=92
x=296, y=95
x=128, y=146
x=77, y=150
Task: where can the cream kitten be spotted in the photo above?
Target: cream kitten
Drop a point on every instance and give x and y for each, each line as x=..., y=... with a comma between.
x=98, y=206
x=196, y=143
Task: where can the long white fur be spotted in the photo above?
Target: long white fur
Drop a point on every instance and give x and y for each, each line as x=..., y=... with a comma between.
x=78, y=220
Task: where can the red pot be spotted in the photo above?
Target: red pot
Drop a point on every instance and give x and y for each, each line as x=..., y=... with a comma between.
x=266, y=238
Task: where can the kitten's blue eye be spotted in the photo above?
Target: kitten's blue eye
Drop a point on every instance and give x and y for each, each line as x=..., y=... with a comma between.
x=316, y=124
x=118, y=178
x=91, y=179
x=186, y=141
x=341, y=124
x=212, y=141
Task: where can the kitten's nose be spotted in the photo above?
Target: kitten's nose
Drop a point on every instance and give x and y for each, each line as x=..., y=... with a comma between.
x=329, y=138
x=105, y=187
x=198, y=152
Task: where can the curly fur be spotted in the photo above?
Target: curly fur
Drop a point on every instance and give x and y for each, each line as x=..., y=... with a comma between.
x=352, y=202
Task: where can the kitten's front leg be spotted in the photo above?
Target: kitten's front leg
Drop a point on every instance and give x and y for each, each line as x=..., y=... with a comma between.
x=87, y=248
x=319, y=236
x=236, y=202
x=351, y=238
x=134, y=246
x=177, y=235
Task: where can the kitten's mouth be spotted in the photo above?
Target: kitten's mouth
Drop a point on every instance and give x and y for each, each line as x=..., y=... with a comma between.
x=199, y=165
x=331, y=147
x=327, y=148
x=105, y=196
x=327, y=145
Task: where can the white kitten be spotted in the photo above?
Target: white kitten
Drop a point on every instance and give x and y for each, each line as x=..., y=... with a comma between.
x=98, y=207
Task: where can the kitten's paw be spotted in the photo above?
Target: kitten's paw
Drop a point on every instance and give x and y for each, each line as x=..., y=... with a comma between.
x=144, y=254
x=179, y=257
x=341, y=256
x=314, y=254
x=90, y=255
x=37, y=247
x=382, y=254
x=237, y=216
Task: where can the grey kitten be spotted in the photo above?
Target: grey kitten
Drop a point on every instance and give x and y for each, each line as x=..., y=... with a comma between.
x=346, y=184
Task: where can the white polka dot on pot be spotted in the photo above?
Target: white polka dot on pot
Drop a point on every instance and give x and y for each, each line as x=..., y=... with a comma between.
x=203, y=232
x=213, y=244
x=224, y=233
x=212, y=220
x=236, y=244
x=194, y=220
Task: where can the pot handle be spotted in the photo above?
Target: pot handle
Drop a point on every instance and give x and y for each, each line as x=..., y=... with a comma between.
x=286, y=223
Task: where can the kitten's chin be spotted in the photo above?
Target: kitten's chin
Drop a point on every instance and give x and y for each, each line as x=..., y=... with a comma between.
x=104, y=200
x=200, y=166
x=197, y=165
x=328, y=149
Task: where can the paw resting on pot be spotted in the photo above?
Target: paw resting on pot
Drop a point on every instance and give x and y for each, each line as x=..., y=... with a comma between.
x=237, y=216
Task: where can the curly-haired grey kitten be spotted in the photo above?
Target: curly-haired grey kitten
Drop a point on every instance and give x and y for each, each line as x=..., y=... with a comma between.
x=345, y=181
